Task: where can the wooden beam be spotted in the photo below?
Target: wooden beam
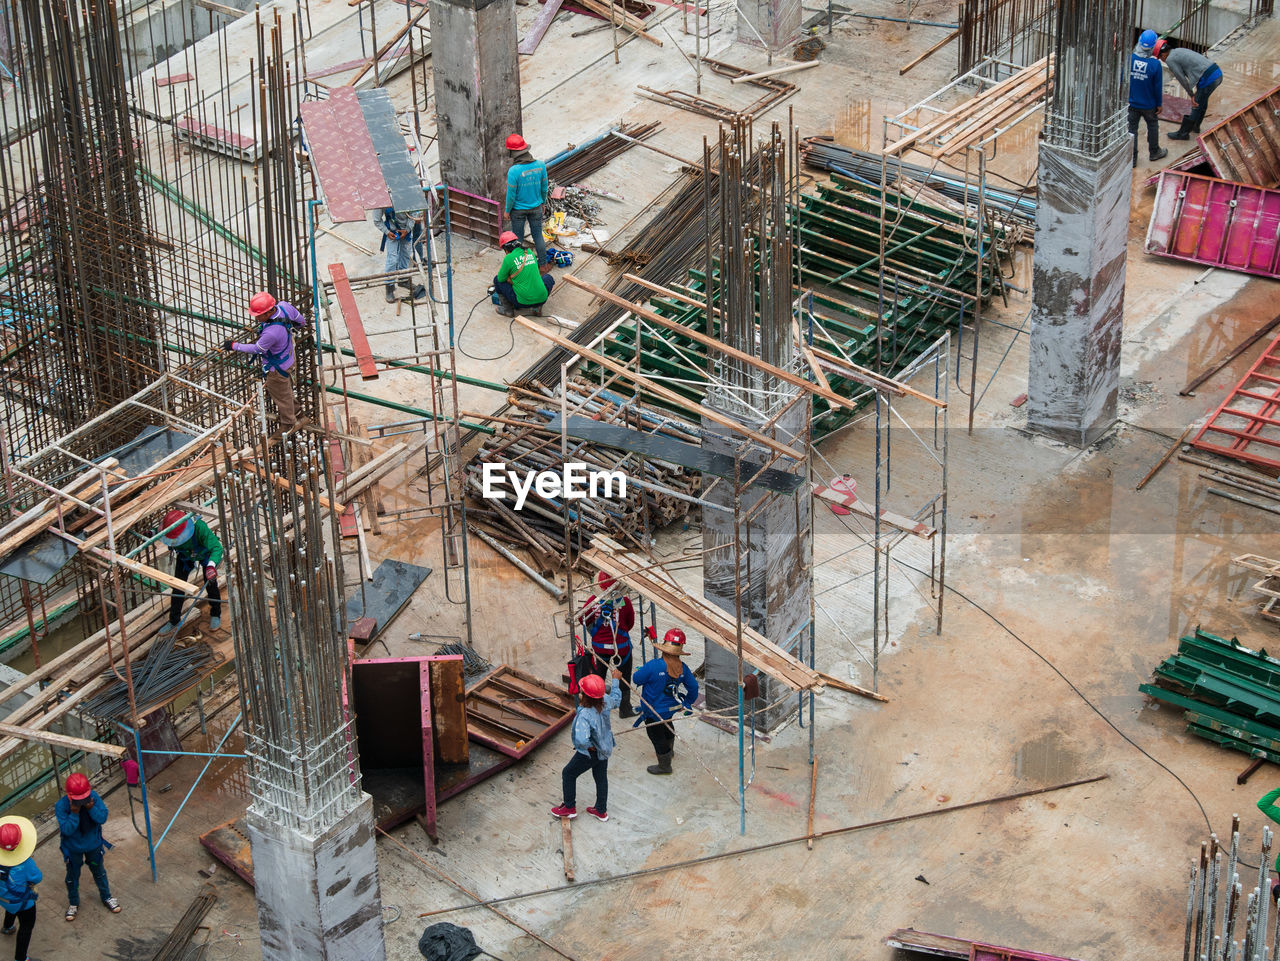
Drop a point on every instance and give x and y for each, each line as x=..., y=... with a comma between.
x=355, y=327
x=850, y=502
x=869, y=377
x=566, y=839
x=657, y=389
x=285, y=485
x=381, y=51
x=62, y=740
x=529, y=43
x=774, y=71
x=17, y=532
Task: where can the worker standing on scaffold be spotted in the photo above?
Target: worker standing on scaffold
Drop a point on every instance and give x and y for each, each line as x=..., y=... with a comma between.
x=609, y=625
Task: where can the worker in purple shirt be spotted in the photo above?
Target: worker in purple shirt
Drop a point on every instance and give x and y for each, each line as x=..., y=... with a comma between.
x=278, y=321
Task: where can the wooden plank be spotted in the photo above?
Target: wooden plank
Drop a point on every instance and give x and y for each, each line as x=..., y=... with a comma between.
x=449, y=710
x=851, y=502
x=615, y=14
x=61, y=740
x=658, y=390
x=369, y=473
x=540, y=26
x=566, y=839
x=17, y=532
x=355, y=327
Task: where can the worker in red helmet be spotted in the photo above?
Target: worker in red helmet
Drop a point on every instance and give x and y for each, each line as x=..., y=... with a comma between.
x=667, y=686
x=526, y=193
x=592, y=745
x=278, y=322
x=194, y=547
x=81, y=814
x=608, y=623
x=19, y=876
x=1199, y=77
x=520, y=285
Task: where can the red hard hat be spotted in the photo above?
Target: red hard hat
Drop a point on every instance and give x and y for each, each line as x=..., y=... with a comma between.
x=592, y=685
x=10, y=836
x=78, y=787
x=1160, y=48
x=605, y=581
x=674, y=636
x=174, y=536
x=507, y=237
x=260, y=303
x=516, y=142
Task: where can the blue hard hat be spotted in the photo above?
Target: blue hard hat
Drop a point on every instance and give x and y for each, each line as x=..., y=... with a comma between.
x=1148, y=38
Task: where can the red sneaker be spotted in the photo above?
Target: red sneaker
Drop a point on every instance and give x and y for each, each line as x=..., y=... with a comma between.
x=564, y=812
x=598, y=815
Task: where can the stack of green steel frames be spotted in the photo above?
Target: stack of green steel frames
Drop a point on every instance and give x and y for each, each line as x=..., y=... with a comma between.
x=930, y=285
x=1230, y=693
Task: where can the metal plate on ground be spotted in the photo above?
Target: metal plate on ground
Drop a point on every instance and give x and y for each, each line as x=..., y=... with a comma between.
x=513, y=712
x=40, y=559
x=674, y=451
x=383, y=598
x=152, y=445
x=229, y=843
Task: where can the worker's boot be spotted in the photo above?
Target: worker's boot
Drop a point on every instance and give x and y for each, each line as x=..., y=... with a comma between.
x=624, y=709
x=391, y=293
x=504, y=310
x=1160, y=154
x=663, y=766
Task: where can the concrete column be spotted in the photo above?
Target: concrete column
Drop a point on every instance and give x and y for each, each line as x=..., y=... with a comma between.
x=776, y=582
x=477, y=87
x=772, y=24
x=1082, y=226
x=318, y=896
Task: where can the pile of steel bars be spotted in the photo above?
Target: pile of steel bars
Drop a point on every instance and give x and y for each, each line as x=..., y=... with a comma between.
x=578, y=163
x=174, y=947
x=164, y=672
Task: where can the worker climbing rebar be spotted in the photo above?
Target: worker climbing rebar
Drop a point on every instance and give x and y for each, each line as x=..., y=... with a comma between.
x=278, y=321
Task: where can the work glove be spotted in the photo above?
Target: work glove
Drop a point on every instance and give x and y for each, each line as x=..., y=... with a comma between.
x=210, y=572
x=228, y=344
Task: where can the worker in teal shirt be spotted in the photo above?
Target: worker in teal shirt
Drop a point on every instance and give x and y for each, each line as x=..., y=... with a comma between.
x=1267, y=805
x=520, y=284
x=526, y=193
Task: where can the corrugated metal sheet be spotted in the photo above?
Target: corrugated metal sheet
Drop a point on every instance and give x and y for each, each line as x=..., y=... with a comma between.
x=1246, y=146
x=1217, y=223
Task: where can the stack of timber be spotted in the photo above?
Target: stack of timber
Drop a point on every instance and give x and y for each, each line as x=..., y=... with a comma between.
x=1230, y=693
x=656, y=490
x=931, y=280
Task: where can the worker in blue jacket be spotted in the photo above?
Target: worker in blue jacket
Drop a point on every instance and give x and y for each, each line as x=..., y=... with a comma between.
x=526, y=193
x=592, y=745
x=81, y=814
x=1146, y=94
x=666, y=687
x=19, y=876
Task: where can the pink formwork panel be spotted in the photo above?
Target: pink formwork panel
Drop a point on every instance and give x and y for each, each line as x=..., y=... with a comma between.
x=1216, y=222
x=345, y=162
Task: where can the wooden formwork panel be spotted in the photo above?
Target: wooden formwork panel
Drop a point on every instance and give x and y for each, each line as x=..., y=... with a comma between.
x=1246, y=146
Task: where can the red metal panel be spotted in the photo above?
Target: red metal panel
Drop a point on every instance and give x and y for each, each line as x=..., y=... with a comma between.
x=1246, y=146
x=355, y=327
x=1217, y=223
x=1246, y=426
x=343, y=154
x=428, y=748
x=371, y=188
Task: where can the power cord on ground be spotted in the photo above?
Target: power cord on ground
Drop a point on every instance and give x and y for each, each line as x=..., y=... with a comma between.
x=510, y=332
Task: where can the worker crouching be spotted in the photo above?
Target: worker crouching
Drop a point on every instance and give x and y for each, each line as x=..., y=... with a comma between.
x=592, y=745
x=667, y=686
x=193, y=546
x=520, y=285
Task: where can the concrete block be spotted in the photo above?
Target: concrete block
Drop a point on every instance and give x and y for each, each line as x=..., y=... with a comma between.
x=318, y=897
x=1077, y=318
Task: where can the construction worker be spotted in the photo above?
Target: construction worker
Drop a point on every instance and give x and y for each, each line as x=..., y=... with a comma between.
x=526, y=193
x=608, y=624
x=1267, y=805
x=193, y=546
x=400, y=233
x=666, y=686
x=519, y=284
x=81, y=814
x=19, y=876
x=278, y=321
x=1199, y=77
x=592, y=745
x=1146, y=94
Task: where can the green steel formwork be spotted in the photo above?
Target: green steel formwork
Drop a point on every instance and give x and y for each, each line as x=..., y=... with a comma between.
x=930, y=285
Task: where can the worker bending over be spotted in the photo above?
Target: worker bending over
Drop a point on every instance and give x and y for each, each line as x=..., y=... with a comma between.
x=193, y=546
x=1199, y=77
x=520, y=285
x=667, y=686
x=278, y=321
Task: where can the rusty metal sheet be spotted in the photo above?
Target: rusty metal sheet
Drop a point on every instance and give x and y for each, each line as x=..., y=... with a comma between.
x=513, y=712
x=1246, y=146
x=1216, y=223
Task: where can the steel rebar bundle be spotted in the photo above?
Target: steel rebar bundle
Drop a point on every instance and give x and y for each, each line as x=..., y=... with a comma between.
x=1091, y=70
x=1214, y=901
x=174, y=947
x=1018, y=31
x=289, y=634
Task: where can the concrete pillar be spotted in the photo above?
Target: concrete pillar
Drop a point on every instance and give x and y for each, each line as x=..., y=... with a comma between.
x=1082, y=227
x=318, y=895
x=772, y=24
x=773, y=566
x=477, y=87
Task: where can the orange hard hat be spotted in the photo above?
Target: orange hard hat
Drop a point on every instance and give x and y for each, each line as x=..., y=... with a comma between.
x=507, y=237
x=592, y=685
x=78, y=787
x=516, y=142
x=260, y=303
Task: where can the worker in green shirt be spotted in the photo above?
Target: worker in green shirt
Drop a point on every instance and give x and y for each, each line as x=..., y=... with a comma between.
x=193, y=546
x=520, y=285
x=1267, y=805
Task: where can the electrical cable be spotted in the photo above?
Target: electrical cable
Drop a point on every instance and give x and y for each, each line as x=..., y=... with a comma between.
x=510, y=332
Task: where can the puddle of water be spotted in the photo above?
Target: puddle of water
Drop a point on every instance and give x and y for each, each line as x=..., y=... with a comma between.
x=1046, y=759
